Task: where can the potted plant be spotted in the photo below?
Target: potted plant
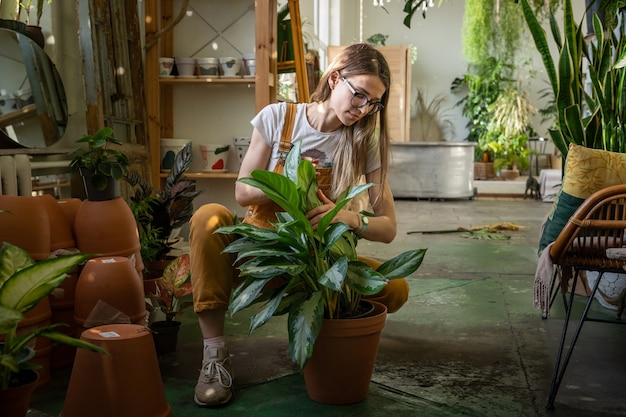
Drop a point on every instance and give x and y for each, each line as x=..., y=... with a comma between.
x=23, y=284
x=171, y=290
x=100, y=166
x=159, y=216
x=323, y=279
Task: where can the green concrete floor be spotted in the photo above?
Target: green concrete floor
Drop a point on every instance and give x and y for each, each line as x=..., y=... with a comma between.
x=468, y=342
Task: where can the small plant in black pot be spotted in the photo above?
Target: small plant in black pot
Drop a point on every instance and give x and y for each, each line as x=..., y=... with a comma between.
x=100, y=165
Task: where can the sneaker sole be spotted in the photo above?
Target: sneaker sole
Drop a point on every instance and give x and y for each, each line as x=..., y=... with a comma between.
x=209, y=405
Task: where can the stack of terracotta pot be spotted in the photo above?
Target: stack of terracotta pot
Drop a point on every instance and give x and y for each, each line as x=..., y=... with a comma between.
x=112, y=278
x=45, y=227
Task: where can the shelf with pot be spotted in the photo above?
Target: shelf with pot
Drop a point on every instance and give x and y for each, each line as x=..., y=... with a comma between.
x=209, y=80
x=206, y=175
x=163, y=95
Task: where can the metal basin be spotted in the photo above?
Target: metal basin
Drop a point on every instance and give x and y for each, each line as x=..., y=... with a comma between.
x=432, y=169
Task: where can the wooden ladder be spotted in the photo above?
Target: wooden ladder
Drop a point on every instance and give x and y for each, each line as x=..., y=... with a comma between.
x=298, y=64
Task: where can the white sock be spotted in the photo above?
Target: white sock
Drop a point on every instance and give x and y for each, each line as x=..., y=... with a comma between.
x=215, y=341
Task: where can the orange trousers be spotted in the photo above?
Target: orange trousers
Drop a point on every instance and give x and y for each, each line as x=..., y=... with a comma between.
x=213, y=275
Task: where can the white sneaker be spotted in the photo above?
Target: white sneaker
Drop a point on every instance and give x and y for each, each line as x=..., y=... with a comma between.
x=215, y=383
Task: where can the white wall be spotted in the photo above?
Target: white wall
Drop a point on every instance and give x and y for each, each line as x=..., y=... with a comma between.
x=438, y=41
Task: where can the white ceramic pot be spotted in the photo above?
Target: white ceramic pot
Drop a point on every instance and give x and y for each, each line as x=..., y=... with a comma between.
x=230, y=66
x=207, y=67
x=186, y=67
x=215, y=157
x=169, y=149
x=166, y=65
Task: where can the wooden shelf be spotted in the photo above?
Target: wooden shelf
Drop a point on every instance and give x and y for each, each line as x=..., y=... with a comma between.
x=207, y=80
x=206, y=175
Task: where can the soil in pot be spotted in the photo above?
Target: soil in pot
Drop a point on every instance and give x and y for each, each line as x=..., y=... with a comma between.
x=165, y=334
x=344, y=354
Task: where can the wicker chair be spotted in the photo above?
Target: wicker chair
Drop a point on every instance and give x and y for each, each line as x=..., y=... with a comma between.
x=597, y=225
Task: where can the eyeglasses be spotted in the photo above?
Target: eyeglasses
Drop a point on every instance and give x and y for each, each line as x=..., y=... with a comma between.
x=360, y=100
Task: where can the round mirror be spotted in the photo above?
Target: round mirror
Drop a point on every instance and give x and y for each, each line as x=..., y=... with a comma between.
x=33, y=106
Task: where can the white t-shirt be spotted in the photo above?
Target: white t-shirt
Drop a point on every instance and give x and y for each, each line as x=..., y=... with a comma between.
x=315, y=144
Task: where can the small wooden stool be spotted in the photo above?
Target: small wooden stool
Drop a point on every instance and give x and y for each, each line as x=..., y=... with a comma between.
x=125, y=384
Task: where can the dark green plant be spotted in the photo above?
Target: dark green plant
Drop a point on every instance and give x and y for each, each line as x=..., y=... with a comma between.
x=320, y=272
x=170, y=208
x=23, y=284
x=484, y=82
x=593, y=119
x=99, y=158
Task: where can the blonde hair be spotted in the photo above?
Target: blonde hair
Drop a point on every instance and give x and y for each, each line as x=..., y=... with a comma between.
x=350, y=159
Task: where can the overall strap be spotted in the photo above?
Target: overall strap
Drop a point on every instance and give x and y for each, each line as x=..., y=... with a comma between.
x=285, y=139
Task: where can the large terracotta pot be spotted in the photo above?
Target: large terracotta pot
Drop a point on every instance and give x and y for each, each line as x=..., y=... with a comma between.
x=16, y=400
x=25, y=224
x=114, y=281
x=343, y=359
x=70, y=207
x=62, y=306
x=127, y=383
x=61, y=234
x=106, y=228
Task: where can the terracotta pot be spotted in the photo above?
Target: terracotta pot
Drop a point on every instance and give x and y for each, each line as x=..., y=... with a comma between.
x=343, y=359
x=70, y=207
x=165, y=335
x=16, y=400
x=509, y=174
x=62, y=306
x=61, y=234
x=106, y=228
x=114, y=281
x=62, y=354
x=26, y=226
x=127, y=383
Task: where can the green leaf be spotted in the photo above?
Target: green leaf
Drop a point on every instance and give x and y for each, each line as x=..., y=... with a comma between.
x=13, y=259
x=403, y=265
x=364, y=280
x=304, y=324
x=9, y=319
x=334, y=276
x=245, y=295
x=29, y=285
x=268, y=310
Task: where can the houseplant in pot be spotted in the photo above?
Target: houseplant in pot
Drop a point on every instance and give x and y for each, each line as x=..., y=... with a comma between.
x=160, y=215
x=100, y=165
x=23, y=284
x=171, y=290
x=322, y=278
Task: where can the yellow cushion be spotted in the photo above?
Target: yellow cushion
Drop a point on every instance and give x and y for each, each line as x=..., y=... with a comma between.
x=589, y=170
x=586, y=171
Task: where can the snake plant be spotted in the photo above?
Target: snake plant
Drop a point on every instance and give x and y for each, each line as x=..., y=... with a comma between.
x=595, y=117
x=321, y=274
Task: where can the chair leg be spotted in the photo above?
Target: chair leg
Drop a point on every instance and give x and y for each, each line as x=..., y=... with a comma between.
x=556, y=288
x=560, y=367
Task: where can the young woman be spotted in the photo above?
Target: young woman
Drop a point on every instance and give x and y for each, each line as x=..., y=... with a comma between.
x=344, y=133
